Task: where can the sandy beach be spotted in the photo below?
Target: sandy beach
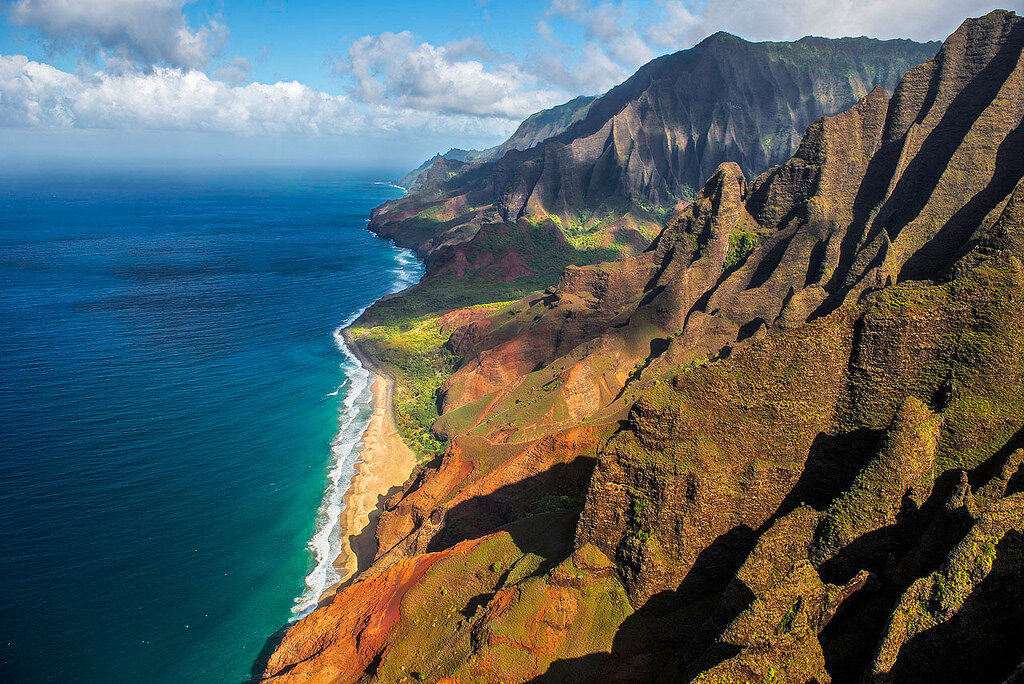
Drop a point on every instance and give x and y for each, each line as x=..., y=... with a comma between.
x=385, y=463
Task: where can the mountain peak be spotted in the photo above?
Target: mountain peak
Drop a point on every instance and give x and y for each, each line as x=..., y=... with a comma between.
x=721, y=37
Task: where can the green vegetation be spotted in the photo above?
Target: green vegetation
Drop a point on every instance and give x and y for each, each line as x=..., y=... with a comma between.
x=586, y=233
x=636, y=528
x=659, y=213
x=542, y=254
x=403, y=334
x=741, y=244
x=786, y=623
x=742, y=241
x=443, y=294
x=413, y=351
x=431, y=213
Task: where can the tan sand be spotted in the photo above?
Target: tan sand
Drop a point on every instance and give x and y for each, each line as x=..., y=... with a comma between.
x=385, y=463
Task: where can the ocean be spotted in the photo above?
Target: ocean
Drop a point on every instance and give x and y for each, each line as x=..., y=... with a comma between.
x=178, y=415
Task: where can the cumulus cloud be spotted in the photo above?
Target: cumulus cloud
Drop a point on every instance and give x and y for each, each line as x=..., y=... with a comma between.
x=612, y=47
x=235, y=73
x=147, y=32
x=155, y=69
x=593, y=72
x=169, y=98
x=677, y=28
x=608, y=25
x=468, y=48
x=396, y=69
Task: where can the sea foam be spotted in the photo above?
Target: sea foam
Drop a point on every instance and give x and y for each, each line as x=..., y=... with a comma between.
x=353, y=418
x=354, y=415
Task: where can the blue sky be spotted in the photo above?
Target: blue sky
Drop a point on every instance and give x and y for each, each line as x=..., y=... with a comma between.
x=355, y=83
x=290, y=40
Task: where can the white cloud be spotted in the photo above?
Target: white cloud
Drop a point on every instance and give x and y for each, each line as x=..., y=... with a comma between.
x=235, y=73
x=547, y=33
x=33, y=94
x=790, y=19
x=594, y=71
x=682, y=24
x=468, y=48
x=146, y=32
x=395, y=69
x=166, y=98
x=617, y=38
x=612, y=48
x=154, y=80
x=677, y=27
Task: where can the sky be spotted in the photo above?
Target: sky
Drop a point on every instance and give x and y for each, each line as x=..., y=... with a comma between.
x=356, y=84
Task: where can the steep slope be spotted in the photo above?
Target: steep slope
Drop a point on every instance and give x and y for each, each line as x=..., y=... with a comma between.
x=651, y=142
x=536, y=128
x=658, y=136
x=840, y=217
x=542, y=125
x=782, y=444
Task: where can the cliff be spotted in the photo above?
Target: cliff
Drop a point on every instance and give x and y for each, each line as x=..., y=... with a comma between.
x=537, y=128
x=783, y=443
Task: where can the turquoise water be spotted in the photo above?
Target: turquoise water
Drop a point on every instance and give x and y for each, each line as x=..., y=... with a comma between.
x=172, y=403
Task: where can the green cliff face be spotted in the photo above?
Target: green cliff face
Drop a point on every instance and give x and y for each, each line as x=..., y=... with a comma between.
x=783, y=443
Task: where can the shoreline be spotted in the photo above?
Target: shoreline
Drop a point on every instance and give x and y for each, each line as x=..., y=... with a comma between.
x=384, y=465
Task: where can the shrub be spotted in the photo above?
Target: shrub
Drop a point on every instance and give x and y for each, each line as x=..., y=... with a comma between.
x=740, y=246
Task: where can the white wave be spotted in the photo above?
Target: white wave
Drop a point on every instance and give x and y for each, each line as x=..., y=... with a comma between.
x=391, y=185
x=353, y=418
x=339, y=387
x=407, y=271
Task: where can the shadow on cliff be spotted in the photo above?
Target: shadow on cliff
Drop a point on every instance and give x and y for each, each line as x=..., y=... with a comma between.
x=989, y=639
x=539, y=513
x=673, y=634
x=562, y=486
x=654, y=637
x=259, y=666
x=364, y=544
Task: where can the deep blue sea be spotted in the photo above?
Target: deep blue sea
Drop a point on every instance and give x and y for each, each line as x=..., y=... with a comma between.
x=176, y=414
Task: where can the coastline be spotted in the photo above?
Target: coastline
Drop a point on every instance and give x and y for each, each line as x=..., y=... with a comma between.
x=385, y=463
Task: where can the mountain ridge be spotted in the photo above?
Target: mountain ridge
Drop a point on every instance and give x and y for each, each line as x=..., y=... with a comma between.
x=535, y=129
x=612, y=177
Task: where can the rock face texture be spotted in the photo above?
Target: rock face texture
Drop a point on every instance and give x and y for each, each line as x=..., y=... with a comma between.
x=658, y=136
x=612, y=168
x=537, y=128
x=784, y=443
x=543, y=125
